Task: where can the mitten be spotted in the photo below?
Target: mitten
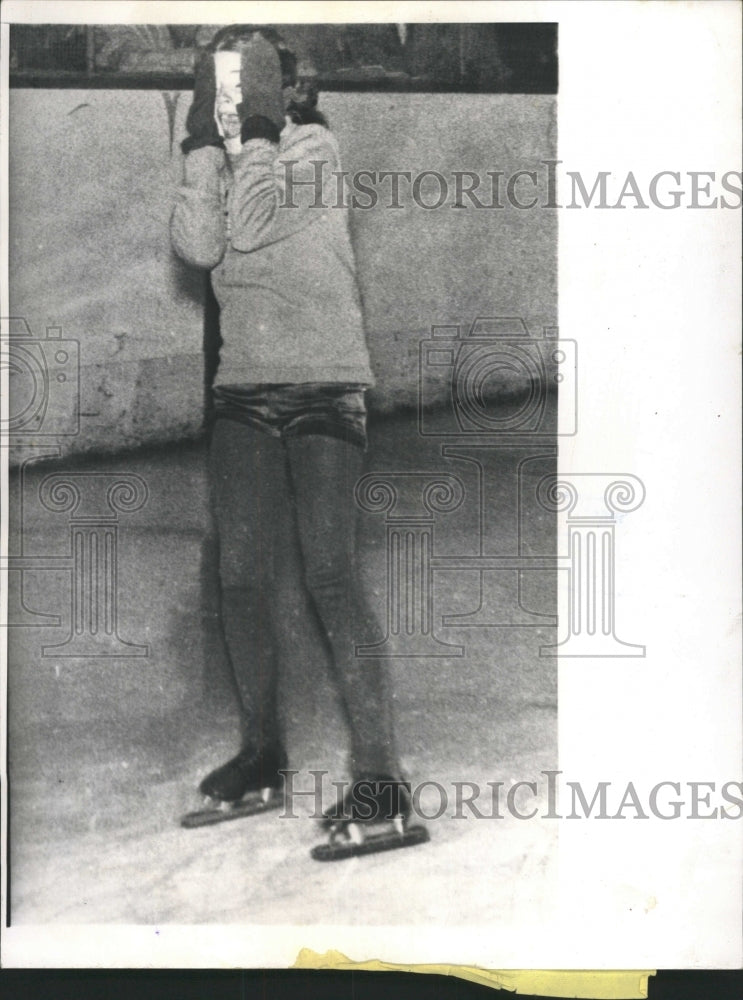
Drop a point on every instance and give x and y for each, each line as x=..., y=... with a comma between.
x=262, y=108
x=200, y=123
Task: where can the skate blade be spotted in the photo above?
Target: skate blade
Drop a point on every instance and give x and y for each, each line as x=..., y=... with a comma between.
x=220, y=812
x=372, y=843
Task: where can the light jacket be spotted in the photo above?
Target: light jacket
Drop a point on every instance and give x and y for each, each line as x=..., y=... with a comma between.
x=283, y=271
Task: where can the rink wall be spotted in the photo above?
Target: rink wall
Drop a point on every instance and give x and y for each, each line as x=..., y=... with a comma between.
x=92, y=174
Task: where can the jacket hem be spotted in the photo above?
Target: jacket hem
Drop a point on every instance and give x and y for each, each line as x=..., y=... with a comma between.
x=295, y=376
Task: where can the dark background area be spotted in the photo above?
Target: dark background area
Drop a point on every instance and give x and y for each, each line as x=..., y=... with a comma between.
x=299, y=985
x=480, y=58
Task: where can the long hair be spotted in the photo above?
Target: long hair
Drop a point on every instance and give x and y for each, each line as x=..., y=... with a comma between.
x=300, y=93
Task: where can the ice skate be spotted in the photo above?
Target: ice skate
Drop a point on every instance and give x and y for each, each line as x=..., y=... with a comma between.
x=373, y=817
x=247, y=785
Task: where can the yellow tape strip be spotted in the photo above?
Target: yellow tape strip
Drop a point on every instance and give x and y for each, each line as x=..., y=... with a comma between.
x=585, y=985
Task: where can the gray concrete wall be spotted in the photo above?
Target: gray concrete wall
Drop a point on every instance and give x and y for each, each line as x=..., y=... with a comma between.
x=91, y=181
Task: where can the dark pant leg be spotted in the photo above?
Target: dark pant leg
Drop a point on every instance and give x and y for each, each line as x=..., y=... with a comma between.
x=324, y=471
x=251, y=500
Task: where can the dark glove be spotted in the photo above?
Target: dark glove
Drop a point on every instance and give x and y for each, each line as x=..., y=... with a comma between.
x=262, y=108
x=200, y=123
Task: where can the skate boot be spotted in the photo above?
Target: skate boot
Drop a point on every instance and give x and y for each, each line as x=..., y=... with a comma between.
x=372, y=817
x=248, y=784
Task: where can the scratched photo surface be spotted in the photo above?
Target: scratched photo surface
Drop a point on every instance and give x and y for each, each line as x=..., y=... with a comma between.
x=120, y=691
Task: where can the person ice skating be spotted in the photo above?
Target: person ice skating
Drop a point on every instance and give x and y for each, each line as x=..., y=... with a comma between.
x=290, y=421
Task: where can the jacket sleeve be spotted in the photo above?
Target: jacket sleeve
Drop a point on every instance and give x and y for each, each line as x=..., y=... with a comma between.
x=275, y=195
x=197, y=224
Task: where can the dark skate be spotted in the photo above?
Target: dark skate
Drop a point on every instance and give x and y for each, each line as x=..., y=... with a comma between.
x=372, y=818
x=247, y=785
